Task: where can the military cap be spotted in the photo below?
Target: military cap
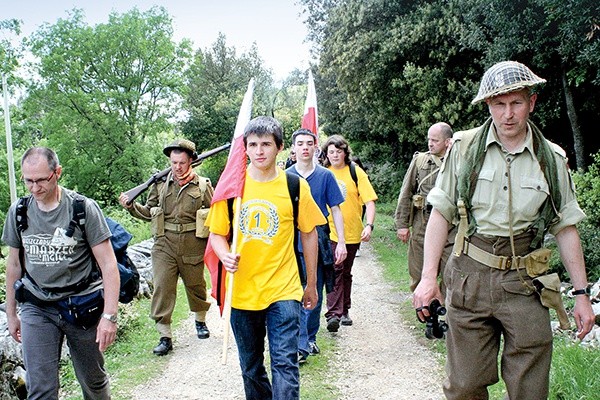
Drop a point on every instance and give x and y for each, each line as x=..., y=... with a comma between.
x=181, y=144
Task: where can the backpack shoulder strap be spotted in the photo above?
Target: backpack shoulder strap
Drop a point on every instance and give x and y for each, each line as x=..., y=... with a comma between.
x=353, y=173
x=78, y=219
x=21, y=213
x=293, y=184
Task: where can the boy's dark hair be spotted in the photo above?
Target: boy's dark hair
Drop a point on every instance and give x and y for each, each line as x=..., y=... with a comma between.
x=302, y=131
x=339, y=142
x=262, y=126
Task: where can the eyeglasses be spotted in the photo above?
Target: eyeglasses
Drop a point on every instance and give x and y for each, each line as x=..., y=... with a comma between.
x=39, y=182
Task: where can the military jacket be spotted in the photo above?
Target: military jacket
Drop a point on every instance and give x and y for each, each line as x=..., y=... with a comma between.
x=419, y=179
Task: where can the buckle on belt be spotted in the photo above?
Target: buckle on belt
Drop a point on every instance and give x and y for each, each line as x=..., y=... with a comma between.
x=180, y=228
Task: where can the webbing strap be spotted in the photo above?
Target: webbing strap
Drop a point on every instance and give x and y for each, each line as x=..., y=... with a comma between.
x=463, y=226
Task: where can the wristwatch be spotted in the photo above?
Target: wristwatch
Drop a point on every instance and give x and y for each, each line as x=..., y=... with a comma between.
x=585, y=291
x=371, y=225
x=111, y=317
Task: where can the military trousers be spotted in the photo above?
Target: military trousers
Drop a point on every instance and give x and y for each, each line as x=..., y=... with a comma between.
x=177, y=255
x=484, y=305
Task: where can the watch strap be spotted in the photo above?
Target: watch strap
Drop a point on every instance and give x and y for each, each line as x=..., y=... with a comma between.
x=584, y=291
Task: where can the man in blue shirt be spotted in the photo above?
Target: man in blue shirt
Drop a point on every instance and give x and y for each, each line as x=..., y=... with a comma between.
x=326, y=192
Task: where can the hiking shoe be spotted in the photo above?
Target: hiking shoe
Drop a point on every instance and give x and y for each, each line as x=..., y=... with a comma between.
x=314, y=349
x=302, y=358
x=346, y=320
x=165, y=345
x=333, y=324
x=202, y=330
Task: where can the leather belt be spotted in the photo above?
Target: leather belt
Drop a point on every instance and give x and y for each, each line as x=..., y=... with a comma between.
x=492, y=260
x=180, y=228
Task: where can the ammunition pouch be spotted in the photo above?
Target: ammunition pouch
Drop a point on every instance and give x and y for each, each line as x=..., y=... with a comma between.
x=158, y=222
x=201, y=230
x=538, y=262
x=548, y=287
x=418, y=201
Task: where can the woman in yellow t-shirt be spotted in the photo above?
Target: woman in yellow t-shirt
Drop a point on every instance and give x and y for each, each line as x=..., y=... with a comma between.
x=356, y=194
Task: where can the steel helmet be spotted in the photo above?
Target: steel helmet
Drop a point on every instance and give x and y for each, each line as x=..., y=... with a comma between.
x=504, y=77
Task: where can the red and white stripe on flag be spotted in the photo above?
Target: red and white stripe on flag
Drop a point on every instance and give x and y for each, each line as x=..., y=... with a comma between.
x=230, y=185
x=310, y=119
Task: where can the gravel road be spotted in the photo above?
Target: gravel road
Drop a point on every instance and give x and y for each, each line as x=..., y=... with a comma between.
x=378, y=357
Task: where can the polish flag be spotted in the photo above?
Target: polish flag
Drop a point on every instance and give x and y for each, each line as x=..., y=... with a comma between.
x=310, y=119
x=230, y=185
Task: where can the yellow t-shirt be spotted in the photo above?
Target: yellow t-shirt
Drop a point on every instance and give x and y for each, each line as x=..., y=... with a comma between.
x=267, y=271
x=354, y=198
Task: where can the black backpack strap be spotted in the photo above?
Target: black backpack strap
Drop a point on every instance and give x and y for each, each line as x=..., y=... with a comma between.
x=353, y=173
x=78, y=219
x=21, y=213
x=22, y=225
x=355, y=179
x=293, y=184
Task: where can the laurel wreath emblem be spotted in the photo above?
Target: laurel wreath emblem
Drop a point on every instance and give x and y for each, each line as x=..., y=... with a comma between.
x=258, y=208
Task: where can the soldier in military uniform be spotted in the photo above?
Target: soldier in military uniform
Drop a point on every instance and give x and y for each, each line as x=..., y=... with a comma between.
x=507, y=187
x=177, y=209
x=412, y=209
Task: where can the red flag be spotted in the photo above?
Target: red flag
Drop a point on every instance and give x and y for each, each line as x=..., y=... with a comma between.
x=310, y=119
x=230, y=185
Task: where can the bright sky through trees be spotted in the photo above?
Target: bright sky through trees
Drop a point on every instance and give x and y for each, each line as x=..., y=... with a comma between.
x=275, y=25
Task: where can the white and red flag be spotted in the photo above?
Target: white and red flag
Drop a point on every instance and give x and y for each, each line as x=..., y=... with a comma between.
x=310, y=119
x=230, y=186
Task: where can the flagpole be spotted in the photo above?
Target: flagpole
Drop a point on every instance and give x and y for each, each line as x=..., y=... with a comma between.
x=229, y=282
x=230, y=186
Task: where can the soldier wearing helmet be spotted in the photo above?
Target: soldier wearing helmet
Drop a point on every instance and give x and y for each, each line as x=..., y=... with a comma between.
x=177, y=209
x=505, y=186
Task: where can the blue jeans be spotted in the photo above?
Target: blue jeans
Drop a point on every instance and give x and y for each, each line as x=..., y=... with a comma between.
x=281, y=322
x=311, y=319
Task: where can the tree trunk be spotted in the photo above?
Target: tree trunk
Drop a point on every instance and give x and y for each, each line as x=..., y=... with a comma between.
x=577, y=135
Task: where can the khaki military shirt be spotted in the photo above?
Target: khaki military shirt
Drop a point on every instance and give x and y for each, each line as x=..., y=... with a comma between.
x=179, y=204
x=419, y=179
x=491, y=197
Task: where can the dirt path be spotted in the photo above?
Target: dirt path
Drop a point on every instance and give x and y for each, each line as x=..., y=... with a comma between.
x=378, y=357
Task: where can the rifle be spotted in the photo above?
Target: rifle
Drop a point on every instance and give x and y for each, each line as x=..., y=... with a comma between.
x=136, y=191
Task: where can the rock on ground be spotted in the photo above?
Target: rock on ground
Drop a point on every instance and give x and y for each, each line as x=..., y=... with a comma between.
x=378, y=357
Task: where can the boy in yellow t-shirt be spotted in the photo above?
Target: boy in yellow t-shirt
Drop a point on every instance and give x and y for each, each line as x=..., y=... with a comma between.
x=337, y=152
x=267, y=289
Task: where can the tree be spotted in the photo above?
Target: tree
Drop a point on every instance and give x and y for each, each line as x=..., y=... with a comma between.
x=106, y=94
x=559, y=40
x=389, y=69
x=9, y=56
x=215, y=85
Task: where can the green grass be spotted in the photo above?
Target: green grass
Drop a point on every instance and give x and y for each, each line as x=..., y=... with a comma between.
x=317, y=375
x=575, y=372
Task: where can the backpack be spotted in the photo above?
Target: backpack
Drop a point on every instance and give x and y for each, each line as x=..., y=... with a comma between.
x=130, y=277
